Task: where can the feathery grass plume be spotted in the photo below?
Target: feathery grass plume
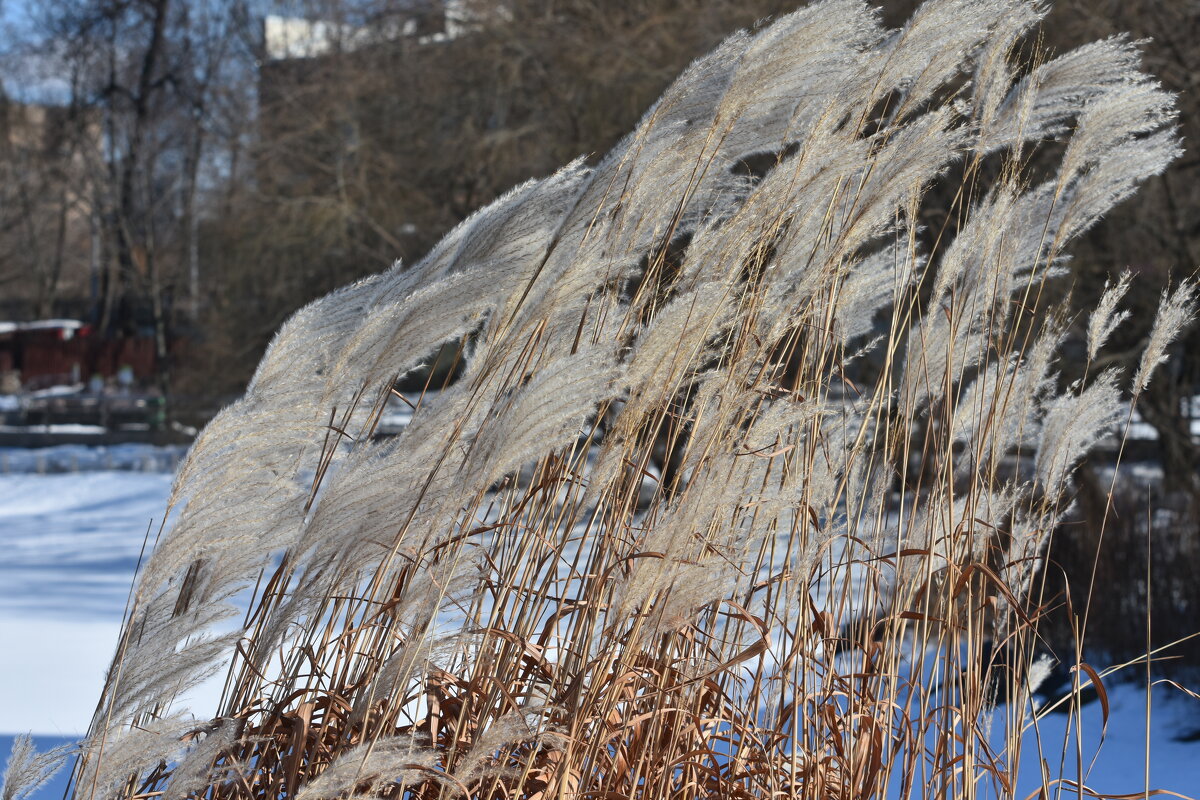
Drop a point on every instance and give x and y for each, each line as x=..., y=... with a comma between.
x=198, y=768
x=120, y=755
x=1175, y=311
x=28, y=770
x=1072, y=425
x=1105, y=319
x=394, y=761
x=740, y=466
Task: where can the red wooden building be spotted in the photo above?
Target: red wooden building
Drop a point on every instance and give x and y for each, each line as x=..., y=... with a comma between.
x=60, y=351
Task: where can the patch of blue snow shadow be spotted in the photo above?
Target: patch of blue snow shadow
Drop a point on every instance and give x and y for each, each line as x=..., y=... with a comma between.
x=70, y=548
x=1116, y=764
x=91, y=458
x=72, y=541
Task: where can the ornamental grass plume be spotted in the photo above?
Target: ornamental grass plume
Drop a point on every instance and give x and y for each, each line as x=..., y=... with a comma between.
x=27, y=771
x=742, y=483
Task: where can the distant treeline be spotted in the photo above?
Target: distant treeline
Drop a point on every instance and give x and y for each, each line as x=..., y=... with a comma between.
x=194, y=178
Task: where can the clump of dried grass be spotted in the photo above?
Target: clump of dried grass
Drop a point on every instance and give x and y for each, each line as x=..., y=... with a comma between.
x=740, y=490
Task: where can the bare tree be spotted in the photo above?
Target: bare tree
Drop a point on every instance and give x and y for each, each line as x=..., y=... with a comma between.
x=156, y=78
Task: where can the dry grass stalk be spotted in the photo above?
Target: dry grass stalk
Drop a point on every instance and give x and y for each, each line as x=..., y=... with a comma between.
x=740, y=491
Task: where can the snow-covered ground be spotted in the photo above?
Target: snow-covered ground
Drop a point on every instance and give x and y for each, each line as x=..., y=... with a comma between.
x=71, y=543
x=83, y=458
x=1117, y=764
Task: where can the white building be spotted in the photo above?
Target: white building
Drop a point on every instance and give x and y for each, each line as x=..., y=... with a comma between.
x=297, y=37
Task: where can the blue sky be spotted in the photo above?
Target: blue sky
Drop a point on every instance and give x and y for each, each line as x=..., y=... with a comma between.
x=26, y=76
